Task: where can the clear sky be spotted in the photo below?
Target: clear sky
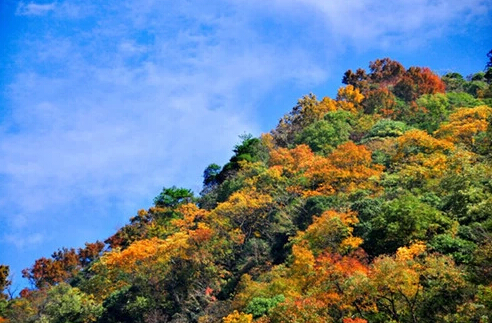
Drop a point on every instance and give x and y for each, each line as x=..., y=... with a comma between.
x=103, y=103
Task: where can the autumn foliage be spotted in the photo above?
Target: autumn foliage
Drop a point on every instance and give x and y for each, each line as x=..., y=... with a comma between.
x=374, y=206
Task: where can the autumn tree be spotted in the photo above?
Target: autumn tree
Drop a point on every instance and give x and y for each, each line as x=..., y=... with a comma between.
x=294, y=121
x=4, y=284
x=62, y=266
x=332, y=232
x=359, y=79
x=380, y=101
x=418, y=81
x=419, y=158
x=4, y=278
x=465, y=125
x=90, y=252
x=385, y=71
x=349, y=99
x=348, y=168
x=415, y=287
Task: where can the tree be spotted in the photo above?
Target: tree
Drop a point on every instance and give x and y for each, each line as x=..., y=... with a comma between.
x=417, y=81
x=454, y=82
x=91, y=252
x=359, y=79
x=380, y=101
x=349, y=99
x=173, y=196
x=402, y=221
x=331, y=232
x=4, y=283
x=248, y=210
x=236, y=317
x=429, y=110
x=66, y=304
x=387, y=128
x=489, y=63
x=300, y=115
x=260, y=306
x=210, y=175
x=488, y=77
x=465, y=124
x=325, y=135
x=346, y=169
x=462, y=100
x=385, y=71
x=4, y=279
x=420, y=157
x=61, y=267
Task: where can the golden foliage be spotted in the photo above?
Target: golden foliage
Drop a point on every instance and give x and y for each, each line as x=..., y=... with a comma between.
x=465, y=124
x=409, y=253
x=332, y=232
x=236, y=317
x=349, y=99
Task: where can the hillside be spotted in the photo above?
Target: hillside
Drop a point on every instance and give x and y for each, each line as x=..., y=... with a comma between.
x=374, y=206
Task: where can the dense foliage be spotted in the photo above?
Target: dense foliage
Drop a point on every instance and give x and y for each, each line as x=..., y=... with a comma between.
x=375, y=206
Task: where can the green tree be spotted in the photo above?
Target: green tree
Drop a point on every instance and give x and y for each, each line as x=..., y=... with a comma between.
x=325, y=135
x=460, y=249
x=387, y=128
x=173, y=196
x=126, y=305
x=462, y=100
x=250, y=150
x=260, y=306
x=401, y=221
x=210, y=175
x=434, y=110
x=489, y=63
x=64, y=304
x=475, y=86
x=454, y=82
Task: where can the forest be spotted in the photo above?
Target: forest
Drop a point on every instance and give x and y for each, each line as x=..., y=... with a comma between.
x=373, y=206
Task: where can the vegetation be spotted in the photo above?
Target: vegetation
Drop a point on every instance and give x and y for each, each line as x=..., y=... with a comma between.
x=375, y=206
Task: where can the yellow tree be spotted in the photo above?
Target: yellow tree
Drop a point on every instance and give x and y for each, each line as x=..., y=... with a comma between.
x=420, y=157
x=348, y=168
x=350, y=99
x=413, y=284
x=248, y=210
x=332, y=232
x=465, y=124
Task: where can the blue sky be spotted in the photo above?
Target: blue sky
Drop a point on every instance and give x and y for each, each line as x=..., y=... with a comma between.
x=103, y=103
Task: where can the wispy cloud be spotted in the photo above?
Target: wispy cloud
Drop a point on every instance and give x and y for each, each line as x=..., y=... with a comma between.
x=147, y=97
x=35, y=9
x=372, y=24
x=22, y=241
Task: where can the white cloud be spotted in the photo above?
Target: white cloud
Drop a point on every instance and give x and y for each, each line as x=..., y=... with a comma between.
x=374, y=24
x=21, y=241
x=34, y=9
x=59, y=9
x=130, y=48
x=140, y=101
